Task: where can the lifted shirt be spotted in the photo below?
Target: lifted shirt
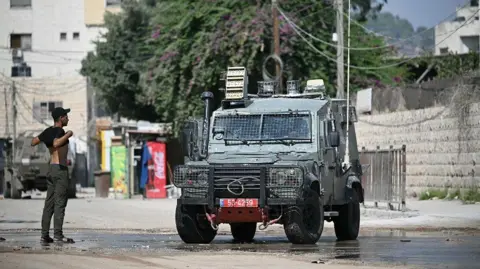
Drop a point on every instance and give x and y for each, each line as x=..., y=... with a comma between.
x=51, y=133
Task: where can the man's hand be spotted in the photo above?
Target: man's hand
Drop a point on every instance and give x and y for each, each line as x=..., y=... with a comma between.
x=35, y=141
x=59, y=142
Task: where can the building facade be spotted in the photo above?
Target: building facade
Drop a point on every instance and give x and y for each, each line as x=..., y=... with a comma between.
x=42, y=44
x=452, y=37
x=50, y=36
x=34, y=103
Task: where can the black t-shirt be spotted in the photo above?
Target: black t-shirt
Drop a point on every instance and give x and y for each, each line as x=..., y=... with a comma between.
x=49, y=134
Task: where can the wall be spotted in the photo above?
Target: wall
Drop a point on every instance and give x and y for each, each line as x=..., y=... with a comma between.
x=70, y=90
x=45, y=20
x=443, y=145
x=95, y=10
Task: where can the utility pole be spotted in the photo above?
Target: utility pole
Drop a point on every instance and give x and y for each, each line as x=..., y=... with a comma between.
x=340, y=47
x=7, y=129
x=14, y=118
x=276, y=40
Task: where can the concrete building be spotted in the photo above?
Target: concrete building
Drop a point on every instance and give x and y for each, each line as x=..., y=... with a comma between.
x=34, y=103
x=463, y=40
x=52, y=35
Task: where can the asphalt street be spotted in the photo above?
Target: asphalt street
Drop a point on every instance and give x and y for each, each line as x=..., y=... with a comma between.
x=447, y=249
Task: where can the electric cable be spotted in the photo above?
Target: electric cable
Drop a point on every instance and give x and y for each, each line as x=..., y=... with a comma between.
x=369, y=68
x=399, y=41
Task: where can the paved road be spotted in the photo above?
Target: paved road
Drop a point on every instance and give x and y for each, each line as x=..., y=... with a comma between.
x=133, y=234
x=451, y=249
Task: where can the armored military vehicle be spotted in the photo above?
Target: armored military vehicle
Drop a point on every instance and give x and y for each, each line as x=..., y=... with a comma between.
x=270, y=158
x=28, y=169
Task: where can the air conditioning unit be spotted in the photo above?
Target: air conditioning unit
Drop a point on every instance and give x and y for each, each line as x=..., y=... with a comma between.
x=17, y=56
x=21, y=71
x=17, y=53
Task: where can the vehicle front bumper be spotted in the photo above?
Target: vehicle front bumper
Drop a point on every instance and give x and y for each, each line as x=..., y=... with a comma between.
x=206, y=185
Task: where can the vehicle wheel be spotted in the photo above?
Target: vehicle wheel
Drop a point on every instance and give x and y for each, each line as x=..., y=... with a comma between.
x=72, y=188
x=7, y=192
x=243, y=231
x=304, y=224
x=192, y=225
x=15, y=193
x=347, y=224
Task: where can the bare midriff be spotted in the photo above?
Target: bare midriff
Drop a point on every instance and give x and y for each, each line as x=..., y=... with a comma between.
x=59, y=155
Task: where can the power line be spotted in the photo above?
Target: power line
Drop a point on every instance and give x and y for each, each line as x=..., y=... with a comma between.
x=399, y=40
x=367, y=68
x=51, y=91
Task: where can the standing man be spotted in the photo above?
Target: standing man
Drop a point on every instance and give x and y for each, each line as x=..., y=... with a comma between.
x=56, y=140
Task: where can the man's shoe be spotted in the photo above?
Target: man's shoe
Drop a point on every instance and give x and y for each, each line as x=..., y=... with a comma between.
x=64, y=239
x=46, y=239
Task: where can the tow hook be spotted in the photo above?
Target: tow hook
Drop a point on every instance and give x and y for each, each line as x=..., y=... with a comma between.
x=265, y=224
x=211, y=218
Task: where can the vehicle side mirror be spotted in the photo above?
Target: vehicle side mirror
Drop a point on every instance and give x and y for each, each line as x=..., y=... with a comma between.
x=334, y=139
x=187, y=139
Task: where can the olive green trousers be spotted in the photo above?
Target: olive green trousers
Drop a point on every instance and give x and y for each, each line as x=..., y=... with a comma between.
x=56, y=200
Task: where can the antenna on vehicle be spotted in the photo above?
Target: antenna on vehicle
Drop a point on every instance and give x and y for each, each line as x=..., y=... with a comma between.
x=346, y=162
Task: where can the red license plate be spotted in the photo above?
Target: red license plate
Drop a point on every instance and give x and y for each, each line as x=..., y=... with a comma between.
x=239, y=202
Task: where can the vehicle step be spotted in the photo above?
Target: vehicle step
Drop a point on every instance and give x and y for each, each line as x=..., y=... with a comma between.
x=330, y=213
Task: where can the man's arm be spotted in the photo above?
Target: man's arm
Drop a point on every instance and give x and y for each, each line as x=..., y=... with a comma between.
x=61, y=139
x=35, y=141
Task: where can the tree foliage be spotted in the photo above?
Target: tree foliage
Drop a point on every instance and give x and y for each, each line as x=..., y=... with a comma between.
x=400, y=32
x=158, y=56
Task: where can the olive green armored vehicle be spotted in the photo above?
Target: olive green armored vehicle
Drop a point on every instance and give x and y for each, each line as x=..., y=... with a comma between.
x=28, y=169
x=270, y=158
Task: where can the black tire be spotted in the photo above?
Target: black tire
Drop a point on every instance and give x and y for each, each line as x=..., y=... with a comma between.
x=15, y=193
x=304, y=224
x=347, y=224
x=243, y=231
x=7, y=192
x=192, y=225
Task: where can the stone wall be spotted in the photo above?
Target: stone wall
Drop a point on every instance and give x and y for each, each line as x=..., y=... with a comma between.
x=418, y=96
x=443, y=142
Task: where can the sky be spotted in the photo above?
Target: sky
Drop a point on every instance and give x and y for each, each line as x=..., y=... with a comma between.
x=426, y=13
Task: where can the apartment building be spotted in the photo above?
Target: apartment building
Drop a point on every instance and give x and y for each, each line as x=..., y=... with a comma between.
x=463, y=40
x=45, y=41
x=34, y=103
x=50, y=36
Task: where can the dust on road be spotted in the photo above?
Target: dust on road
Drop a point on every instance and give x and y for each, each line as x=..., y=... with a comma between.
x=453, y=249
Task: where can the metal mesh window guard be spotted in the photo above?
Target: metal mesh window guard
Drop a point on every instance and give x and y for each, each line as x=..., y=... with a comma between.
x=265, y=127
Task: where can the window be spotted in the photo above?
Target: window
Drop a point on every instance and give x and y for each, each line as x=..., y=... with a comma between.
x=63, y=36
x=76, y=36
x=20, y=3
x=21, y=41
x=43, y=110
x=444, y=50
x=264, y=127
x=113, y=2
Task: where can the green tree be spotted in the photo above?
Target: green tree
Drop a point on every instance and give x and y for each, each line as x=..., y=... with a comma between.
x=189, y=44
x=400, y=32
x=116, y=65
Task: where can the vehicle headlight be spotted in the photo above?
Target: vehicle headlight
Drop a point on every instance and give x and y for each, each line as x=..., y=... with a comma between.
x=286, y=177
x=188, y=177
x=202, y=179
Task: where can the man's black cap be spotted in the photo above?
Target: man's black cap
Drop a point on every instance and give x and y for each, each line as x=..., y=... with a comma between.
x=59, y=112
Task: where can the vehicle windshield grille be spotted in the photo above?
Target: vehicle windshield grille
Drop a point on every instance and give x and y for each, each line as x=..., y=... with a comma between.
x=264, y=126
